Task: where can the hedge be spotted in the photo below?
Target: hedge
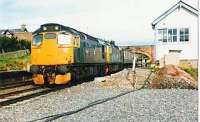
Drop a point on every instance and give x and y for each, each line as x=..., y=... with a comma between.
x=8, y=44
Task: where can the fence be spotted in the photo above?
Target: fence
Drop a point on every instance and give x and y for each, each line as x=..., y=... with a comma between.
x=15, y=54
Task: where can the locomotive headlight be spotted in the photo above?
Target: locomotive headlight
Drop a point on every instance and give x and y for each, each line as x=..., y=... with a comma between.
x=44, y=28
x=56, y=27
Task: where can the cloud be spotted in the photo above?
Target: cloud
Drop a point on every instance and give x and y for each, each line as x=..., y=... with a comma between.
x=118, y=20
x=40, y=4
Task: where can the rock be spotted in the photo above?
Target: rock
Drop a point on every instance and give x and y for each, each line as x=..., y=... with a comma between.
x=171, y=76
x=100, y=79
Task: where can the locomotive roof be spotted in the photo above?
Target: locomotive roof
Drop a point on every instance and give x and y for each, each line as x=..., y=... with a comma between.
x=64, y=28
x=73, y=31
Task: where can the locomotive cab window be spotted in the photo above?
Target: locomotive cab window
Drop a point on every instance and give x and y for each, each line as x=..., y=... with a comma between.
x=64, y=39
x=50, y=36
x=37, y=40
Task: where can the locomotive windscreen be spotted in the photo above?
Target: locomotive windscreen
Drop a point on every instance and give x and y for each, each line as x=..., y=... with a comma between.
x=37, y=40
x=50, y=36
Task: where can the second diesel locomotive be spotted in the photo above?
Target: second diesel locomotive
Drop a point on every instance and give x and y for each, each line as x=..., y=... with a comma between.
x=60, y=54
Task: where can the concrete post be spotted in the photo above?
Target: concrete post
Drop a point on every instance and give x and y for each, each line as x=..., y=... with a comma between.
x=134, y=61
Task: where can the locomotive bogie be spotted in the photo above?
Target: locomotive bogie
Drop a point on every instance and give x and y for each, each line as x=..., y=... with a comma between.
x=59, y=79
x=38, y=79
x=59, y=74
x=63, y=79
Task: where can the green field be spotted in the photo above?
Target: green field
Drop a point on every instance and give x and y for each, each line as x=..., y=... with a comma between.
x=14, y=63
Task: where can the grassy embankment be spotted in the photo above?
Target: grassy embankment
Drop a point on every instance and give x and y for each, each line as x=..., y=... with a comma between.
x=10, y=61
x=14, y=63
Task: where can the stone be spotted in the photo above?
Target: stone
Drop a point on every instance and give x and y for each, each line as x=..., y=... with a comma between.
x=100, y=79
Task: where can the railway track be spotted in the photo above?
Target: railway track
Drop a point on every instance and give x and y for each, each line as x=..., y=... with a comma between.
x=15, y=96
x=15, y=84
x=17, y=92
x=14, y=91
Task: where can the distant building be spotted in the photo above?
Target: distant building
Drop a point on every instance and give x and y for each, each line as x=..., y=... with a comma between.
x=20, y=33
x=176, y=32
x=6, y=33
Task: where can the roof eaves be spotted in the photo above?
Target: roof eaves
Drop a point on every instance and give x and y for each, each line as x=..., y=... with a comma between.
x=191, y=11
x=189, y=6
x=173, y=8
x=166, y=13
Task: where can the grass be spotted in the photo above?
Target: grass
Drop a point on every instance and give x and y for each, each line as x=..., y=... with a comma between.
x=192, y=71
x=14, y=63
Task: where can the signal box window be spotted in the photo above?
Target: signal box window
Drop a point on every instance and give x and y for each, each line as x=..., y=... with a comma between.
x=162, y=35
x=172, y=35
x=167, y=35
x=37, y=40
x=184, y=35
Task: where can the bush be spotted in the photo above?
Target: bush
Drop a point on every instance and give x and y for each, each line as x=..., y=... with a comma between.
x=192, y=71
x=8, y=44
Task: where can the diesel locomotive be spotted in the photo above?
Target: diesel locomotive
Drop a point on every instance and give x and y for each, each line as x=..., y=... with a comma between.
x=60, y=54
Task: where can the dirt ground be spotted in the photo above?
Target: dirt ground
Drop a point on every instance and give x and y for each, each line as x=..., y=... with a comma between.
x=124, y=79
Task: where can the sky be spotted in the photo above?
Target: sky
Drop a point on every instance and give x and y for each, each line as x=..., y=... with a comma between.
x=124, y=21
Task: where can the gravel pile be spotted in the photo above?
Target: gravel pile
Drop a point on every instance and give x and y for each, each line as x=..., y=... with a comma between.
x=143, y=105
x=175, y=82
x=172, y=76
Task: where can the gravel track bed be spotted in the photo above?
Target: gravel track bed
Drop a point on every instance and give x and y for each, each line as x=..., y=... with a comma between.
x=145, y=105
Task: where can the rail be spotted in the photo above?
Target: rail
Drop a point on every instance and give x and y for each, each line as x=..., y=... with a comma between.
x=30, y=93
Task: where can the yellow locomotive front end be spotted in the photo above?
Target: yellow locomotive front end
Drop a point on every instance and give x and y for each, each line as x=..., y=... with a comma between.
x=52, y=52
